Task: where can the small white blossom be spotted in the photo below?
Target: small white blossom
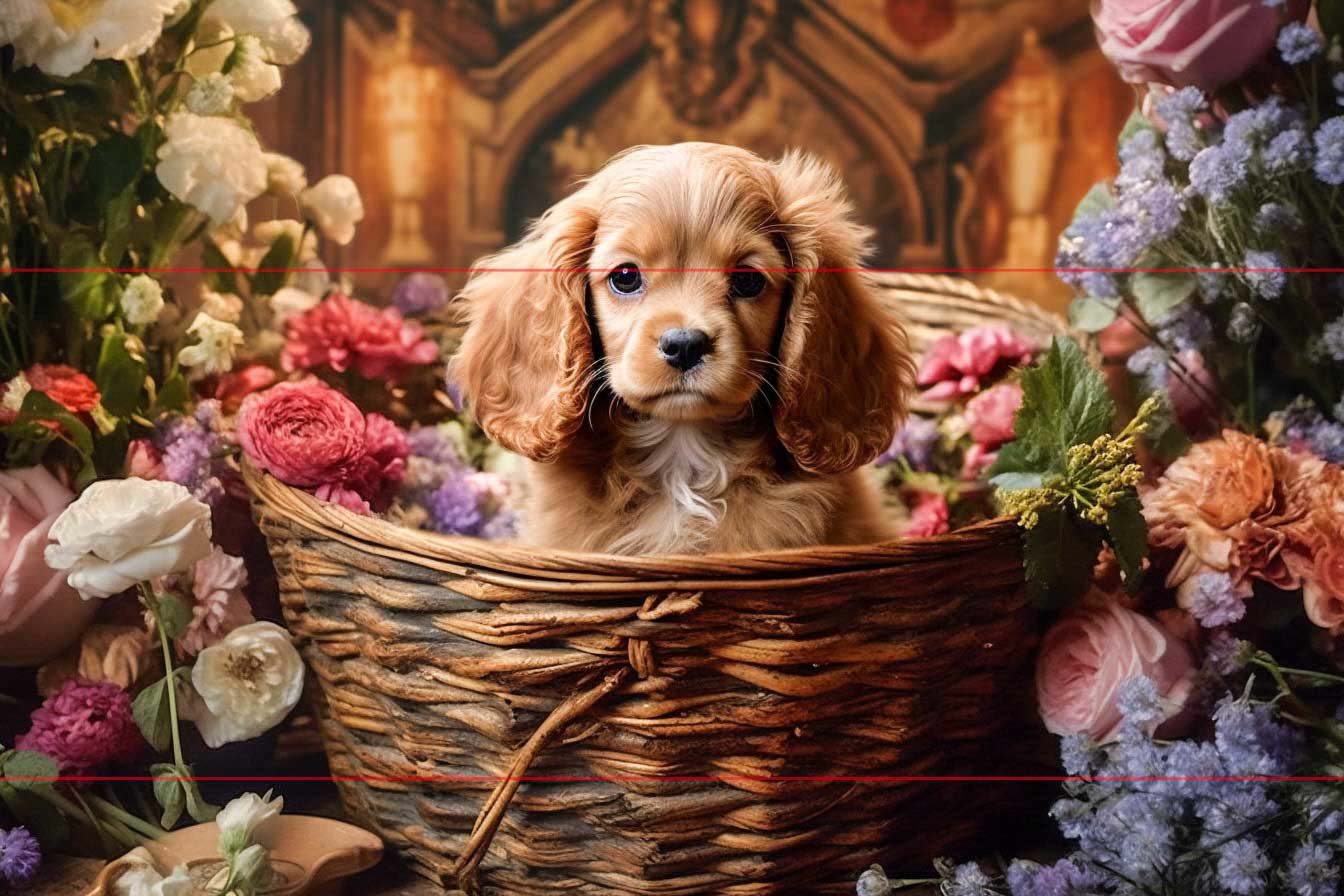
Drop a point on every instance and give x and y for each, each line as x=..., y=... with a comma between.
x=274, y=23
x=211, y=163
x=221, y=306
x=267, y=232
x=16, y=390
x=248, y=683
x=284, y=176
x=291, y=302
x=252, y=77
x=335, y=206
x=210, y=95
x=142, y=300
x=213, y=353
x=145, y=880
x=239, y=821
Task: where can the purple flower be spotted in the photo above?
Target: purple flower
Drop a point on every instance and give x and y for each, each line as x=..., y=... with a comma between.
x=1211, y=285
x=20, y=856
x=1078, y=754
x=1326, y=441
x=1311, y=871
x=1329, y=140
x=1186, y=329
x=1243, y=324
x=1215, y=172
x=1241, y=868
x=1332, y=339
x=1067, y=877
x=1264, y=273
x=1214, y=601
x=915, y=442
x=1184, y=141
x=434, y=443
x=420, y=293
x=1181, y=105
x=454, y=508
x=1287, y=151
x=1138, y=701
x=1251, y=742
x=191, y=454
x=968, y=880
x=1298, y=42
x=1149, y=363
x=1141, y=161
x=1274, y=218
x=1226, y=654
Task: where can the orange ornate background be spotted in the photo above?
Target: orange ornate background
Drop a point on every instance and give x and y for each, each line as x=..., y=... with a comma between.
x=966, y=129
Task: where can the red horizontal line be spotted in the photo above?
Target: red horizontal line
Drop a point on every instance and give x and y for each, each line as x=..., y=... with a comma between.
x=837, y=270
x=884, y=779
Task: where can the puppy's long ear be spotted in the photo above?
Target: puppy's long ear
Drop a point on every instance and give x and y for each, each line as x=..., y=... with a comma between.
x=846, y=372
x=526, y=357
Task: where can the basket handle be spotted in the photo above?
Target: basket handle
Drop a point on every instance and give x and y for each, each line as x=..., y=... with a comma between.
x=492, y=813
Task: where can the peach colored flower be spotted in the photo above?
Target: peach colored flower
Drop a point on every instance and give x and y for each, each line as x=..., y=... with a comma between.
x=1095, y=649
x=64, y=385
x=121, y=654
x=220, y=604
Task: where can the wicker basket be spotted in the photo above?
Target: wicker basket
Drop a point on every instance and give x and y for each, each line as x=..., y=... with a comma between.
x=540, y=722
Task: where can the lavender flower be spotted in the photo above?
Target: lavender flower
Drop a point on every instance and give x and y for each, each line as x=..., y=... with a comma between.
x=20, y=856
x=1251, y=742
x=1078, y=754
x=1216, y=171
x=1225, y=654
x=1066, y=877
x=1139, y=702
x=1186, y=329
x=1311, y=871
x=191, y=454
x=1181, y=105
x=454, y=508
x=968, y=880
x=436, y=444
x=1326, y=441
x=1298, y=43
x=1150, y=364
x=1214, y=601
x=1141, y=161
x=1183, y=141
x=1243, y=325
x=1329, y=141
x=1210, y=285
x=1274, y=218
x=420, y=293
x=1241, y=868
x=1287, y=151
x=1332, y=339
x=915, y=442
x=1265, y=274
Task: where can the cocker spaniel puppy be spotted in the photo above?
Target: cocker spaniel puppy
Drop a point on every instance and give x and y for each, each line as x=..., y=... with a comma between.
x=687, y=354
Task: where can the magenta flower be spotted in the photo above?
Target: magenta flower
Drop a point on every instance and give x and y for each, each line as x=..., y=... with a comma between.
x=956, y=364
x=343, y=333
x=84, y=725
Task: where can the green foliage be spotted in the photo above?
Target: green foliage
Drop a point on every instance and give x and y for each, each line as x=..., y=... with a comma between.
x=120, y=376
x=22, y=790
x=174, y=615
x=1092, y=315
x=273, y=269
x=42, y=422
x=152, y=715
x=1158, y=293
x=176, y=790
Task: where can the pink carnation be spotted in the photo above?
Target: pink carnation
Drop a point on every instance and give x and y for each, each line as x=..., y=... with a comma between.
x=342, y=333
x=84, y=725
x=305, y=434
x=955, y=364
x=220, y=604
x=989, y=415
x=929, y=517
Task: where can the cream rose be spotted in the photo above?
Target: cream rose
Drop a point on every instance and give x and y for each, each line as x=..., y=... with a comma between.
x=335, y=206
x=211, y=163
x=248, y=683
x=122, y=532
x=61, y=37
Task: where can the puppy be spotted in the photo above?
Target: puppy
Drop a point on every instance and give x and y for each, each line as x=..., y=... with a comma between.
x=685, y=352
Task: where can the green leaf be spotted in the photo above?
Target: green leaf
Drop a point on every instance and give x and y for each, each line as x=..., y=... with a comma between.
x=152, y=714
x=273, y=269
x=1158, y=293
x=120, y=376
x=1092, y=315
x=169, y=793
x=28, y=764
x=113, y=165
x=91, y=293
x=1136, y=122
x=197, y=807
x=38, y=409
x=174, y=615
x=221, y=277
x=1127, y=534
x=173, y=394
x=1059, y=553
x=1094, y=202
x=40, y=817
x=1016, y=482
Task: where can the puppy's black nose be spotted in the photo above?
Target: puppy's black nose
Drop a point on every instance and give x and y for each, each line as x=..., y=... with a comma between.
x=684, y=349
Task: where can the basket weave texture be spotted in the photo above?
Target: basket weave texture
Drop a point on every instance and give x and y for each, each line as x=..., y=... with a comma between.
x=518, y=721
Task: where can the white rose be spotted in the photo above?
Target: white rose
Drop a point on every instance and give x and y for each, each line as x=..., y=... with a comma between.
x=145, y=880
x=248, y=682
x=142, y=300
x=273, y=22
x=121, y=532
x=62, y=37
x=291, y=302
x=210, y=95
x=252, y=77
x=211, y=163
x=284, y=176
x=239, y=821
x=335, y=206
x=213, y=353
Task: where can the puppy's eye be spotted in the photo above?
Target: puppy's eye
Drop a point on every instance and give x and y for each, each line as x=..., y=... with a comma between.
x=626, y=281
x=746, y=284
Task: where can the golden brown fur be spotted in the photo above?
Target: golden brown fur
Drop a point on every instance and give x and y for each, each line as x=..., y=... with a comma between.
x=755, y=448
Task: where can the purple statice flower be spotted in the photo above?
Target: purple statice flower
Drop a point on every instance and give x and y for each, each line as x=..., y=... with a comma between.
x=915, y=442
x=1188, y=766
x=1142, y=161
x=1329, y=141
x=1251, y=741
x=1075, y=818
x=1210, y=285
x=1216, y=172
x=1178, y=110
x=1214, y=601
x=1157, y=208
x=1274, y=218
x=1241, y=867
x=968, y=880
x=1265, y=274
x=1332, y=339
x=1225, y=654
x=1079, y=755
x=1145, y=830
x=1311, y=871
x=502, y=526
x=1184, y=141
x=420, y=293
x=1138, y=701
x=433, y=443
x=1326, y=441
x=20, y=856
x=1298, y=43
x=1243, y=325
x=454, y=508
x=1186, y=329
x=1067, y=877
x=1150, y=364
x=1287, y=151
x=191, y=454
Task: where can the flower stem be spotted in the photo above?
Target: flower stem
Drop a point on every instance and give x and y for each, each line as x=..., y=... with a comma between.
x=135, y=823
x=147, y=597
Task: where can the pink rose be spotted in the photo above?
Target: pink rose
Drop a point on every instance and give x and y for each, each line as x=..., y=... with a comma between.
x=344, y=333
x=306, y=434
x=976, y=461
x=40, y=614
x=955, y=364
x=143, y=460
x=1204, y=43
x=989, y=415
x=929, y=517
x=1091, y=652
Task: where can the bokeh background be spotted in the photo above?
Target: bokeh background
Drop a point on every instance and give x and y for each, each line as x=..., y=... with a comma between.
x=967, y=130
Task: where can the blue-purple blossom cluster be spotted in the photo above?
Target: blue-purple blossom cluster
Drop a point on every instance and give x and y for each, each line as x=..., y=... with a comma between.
x=1301, y=424
x=452, y=496
x=194, y=450
x=20, y=857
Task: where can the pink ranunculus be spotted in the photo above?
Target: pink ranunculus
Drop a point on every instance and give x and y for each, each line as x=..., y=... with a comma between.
x=220, y=604
x=342, y=495
x=989, y=415
x=382, y=468
x=343, y=333
x=305, y=434
x=1200, y=43
x=86, y=724
x=1091, y=652
x=929, y=516
x=955, y=364
x=143, y=460
x=40, y=614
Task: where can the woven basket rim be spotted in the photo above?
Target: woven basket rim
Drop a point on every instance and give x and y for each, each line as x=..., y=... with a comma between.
x=587, y=571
